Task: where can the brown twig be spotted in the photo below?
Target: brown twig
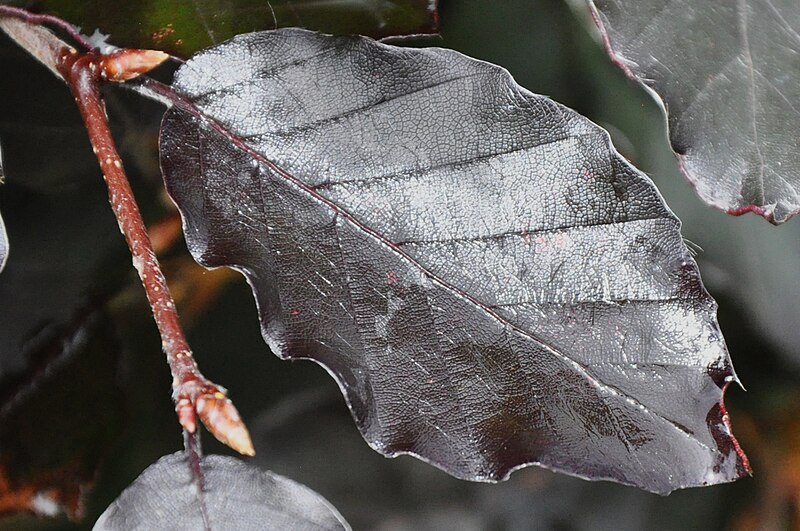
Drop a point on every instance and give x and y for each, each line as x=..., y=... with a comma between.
x=84, y=73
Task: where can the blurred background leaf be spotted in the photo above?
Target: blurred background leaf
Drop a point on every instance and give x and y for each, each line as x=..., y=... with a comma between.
x=729, y=78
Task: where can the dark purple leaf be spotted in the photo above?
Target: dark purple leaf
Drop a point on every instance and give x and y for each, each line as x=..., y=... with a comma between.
x=233, y=496
x=182, y=28
x=729, y=76
x=490, y=283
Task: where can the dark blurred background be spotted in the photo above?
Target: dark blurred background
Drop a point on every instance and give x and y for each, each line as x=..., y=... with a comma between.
x=114, y=374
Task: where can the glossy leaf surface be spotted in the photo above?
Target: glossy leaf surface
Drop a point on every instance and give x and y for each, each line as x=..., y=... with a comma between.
x=490, y=283
x=233, y=496
x=729, y=76
x=182, y=28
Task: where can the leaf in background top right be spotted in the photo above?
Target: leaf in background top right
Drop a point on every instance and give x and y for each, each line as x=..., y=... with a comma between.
x=728, y=74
